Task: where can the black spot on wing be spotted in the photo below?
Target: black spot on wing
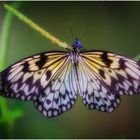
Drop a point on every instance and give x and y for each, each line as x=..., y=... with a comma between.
x=102, y=73
x=26, y=67
x=41, y=61
x=122, y=64
x=48, y=74
x=105, y=59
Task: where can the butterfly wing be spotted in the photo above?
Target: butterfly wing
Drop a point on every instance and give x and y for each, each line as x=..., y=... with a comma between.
x=27, y=78
x=60, y=94
x=104, y=77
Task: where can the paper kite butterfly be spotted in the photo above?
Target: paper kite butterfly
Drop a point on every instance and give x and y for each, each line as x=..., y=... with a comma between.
x=52, y=80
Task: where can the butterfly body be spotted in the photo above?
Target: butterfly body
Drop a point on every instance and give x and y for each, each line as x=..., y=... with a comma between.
x=77, y=44
x=53, y=80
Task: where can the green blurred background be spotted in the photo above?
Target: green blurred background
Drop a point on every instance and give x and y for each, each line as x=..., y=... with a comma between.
x=112, y=26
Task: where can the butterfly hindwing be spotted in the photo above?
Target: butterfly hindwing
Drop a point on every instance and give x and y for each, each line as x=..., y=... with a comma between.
x=27, y=78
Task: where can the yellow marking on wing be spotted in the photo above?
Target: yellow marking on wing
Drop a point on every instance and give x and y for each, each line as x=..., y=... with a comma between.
x=98, y=61
x=93, y=66
x=115, y=62
x=92, y=55
x=51, y=61
x=33, y=67
x=56, y=66
x=33, y=61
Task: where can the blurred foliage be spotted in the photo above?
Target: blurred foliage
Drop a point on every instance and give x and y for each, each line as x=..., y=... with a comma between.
x=7, y=115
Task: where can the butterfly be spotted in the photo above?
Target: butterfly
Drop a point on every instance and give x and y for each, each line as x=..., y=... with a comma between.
x=53, y=80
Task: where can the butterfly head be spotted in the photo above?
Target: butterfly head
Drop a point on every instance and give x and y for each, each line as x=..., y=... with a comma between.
x=77, y=44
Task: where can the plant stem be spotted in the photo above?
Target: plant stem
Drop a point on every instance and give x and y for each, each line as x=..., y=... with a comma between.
x=36, y=27
x=5, y=36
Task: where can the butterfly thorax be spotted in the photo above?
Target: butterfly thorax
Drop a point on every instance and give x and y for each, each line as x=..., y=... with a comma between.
x=76, y=46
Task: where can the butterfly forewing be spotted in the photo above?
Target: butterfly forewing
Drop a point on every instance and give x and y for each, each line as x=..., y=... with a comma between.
x=27, y=78
x=120, y=74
